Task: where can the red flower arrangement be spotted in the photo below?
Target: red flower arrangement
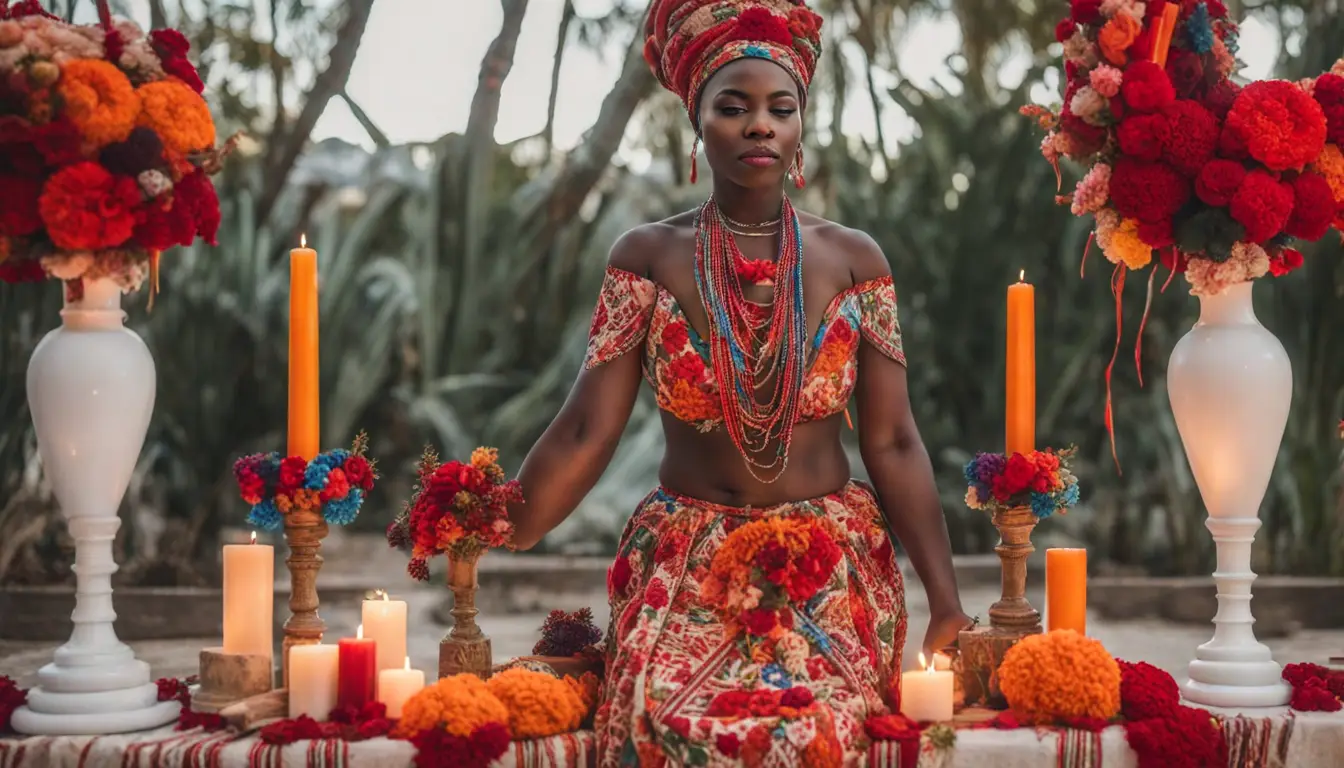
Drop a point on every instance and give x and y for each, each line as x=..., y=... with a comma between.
x=437, y=748
x=1315, y=688
x=567, y=634
x=173, y=689
x=11, y=698
x=345, y=723
x=456, y=508
x=105, y=147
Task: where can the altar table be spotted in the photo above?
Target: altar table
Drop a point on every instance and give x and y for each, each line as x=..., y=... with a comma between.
x=1284, y=740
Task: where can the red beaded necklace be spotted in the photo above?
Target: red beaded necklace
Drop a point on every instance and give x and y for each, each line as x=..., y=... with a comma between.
x=749, y=343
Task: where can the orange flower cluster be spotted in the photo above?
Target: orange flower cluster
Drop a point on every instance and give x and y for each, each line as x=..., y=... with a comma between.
x=588, y=688
x=459, y=705
x=539, y=705
x=178, y=115
x=99, y=100
x=1061, y=675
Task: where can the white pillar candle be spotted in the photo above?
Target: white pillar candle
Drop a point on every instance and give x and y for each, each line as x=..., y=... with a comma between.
x=396, y=686
x=926, y=694
x=313, y=675
x=249, y=594
x=385, y=624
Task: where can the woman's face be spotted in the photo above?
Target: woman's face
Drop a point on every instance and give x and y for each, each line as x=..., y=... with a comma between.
x=751, y=123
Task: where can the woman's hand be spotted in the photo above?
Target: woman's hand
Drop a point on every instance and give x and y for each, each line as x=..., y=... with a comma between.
x=944, y=627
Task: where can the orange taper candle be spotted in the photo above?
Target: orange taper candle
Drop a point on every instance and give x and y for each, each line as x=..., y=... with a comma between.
x=304, y=411
x=1066, y=589
x=1020, y=402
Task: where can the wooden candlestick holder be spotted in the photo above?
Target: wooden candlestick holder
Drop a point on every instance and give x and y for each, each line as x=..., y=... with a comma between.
x=304, y=532
x=227, y=678
x=1011, y=618
x=465, y=648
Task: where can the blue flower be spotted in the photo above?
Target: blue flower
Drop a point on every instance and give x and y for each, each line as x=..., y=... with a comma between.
x=265, y=516
x=1199, y=30
x=1042, y=505
x=343, y=511
x=774, y=676
x=1069, y=496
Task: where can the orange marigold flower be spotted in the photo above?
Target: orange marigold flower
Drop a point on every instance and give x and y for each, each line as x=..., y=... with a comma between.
x=482, y=458
x=99, y=100
x=1060, y=675
x=1115, y=38
x=459, y=704
x=178, y=114
x=307, y=498
x=539, y=705
x=588, y=688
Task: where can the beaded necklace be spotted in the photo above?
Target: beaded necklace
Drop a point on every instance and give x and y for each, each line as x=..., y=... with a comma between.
x=749, y=342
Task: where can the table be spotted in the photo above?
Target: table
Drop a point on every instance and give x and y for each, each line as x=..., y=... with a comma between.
x=1280, y=740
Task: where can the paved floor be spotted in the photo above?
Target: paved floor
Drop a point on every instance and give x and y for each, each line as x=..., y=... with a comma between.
x=1169, y=646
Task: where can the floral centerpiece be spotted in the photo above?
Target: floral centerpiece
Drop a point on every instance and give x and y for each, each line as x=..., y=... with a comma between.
x=456, y=508
x=334, y=483
x=1041, y=480
x=106, y=148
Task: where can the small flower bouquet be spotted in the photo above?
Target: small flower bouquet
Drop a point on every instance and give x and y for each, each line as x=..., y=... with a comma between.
x=106, y=148
x=457, y=509
x=334, y=483
x=1040, y=480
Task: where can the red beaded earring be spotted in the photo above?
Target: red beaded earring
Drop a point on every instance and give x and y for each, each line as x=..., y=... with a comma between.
x=695, y=147
x=798, y=180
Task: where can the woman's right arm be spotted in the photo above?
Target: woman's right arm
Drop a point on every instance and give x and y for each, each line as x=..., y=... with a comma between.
x=575, y=449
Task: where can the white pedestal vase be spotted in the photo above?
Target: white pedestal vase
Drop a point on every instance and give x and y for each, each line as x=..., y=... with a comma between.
x=1230, y=385
x=91, y=391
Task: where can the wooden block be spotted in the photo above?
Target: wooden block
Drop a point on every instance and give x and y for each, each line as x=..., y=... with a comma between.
x=230, y=677
x=252, y=712
x=981, y=651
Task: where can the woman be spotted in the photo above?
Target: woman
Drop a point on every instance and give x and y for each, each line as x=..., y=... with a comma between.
x=758, y=613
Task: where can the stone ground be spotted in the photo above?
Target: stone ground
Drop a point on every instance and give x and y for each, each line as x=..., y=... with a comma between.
x=514, y=625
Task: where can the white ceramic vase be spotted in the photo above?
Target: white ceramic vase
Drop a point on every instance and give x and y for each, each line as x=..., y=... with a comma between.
x=91, y=391
x=1230, y=385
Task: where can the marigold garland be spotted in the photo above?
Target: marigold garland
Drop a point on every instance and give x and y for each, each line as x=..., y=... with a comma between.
x=1060, y=675
x=539, y=704
x=459, y=705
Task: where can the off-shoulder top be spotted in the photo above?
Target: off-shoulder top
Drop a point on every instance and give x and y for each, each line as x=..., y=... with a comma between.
x=632, y=309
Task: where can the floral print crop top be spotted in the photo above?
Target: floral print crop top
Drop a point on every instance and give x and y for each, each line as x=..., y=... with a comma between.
x=632, y=309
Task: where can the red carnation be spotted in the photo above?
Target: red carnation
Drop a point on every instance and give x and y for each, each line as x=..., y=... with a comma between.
x=1314, y=696
x=1018, y=473
x=1158, y=234
x=1193, y=134
x=172, y=47
x=1218, y=181
x=1278, y=123
x=1147, y=191
x=1085, y=11
x=758, y=24
x=1147, y=691
x=1085, y=138
x=359, y=472
x=1219, y=97
x=1146, y=87
x=291, y=473
x=1262, y=205
x=1185, y=69
x=1143, y=136
x=18, y=205
x=87, y=208
x=1065, y=29
x=1329, y=93
x=1313, y=207
x=1285, y=261
x=1187, y=738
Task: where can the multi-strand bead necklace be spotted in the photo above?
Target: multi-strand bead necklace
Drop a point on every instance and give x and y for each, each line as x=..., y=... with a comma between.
x=750, y=343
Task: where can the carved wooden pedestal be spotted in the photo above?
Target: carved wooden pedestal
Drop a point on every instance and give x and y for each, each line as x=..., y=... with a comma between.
x=465, y=648
x=304, y=531
x=1010, y=619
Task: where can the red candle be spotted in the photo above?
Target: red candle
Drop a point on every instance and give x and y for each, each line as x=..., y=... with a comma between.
x=357, y=671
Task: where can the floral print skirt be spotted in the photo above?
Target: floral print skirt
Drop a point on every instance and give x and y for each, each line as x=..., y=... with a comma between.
x=750, y=636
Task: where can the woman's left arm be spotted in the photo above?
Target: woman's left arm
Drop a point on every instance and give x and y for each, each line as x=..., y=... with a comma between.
x=894, y=454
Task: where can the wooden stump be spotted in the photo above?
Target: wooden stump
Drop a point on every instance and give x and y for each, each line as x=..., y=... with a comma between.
x=1010, y=618
x=304, y=532
x=465, y=648
x=227, y=678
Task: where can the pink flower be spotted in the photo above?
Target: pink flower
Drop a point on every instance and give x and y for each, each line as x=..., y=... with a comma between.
x=1048, y=148
x=1106, y=80
x=1089, y=106
x=1210, y=278
x=1093, y=191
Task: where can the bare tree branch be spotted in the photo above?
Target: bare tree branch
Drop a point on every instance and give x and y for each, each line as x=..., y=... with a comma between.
x=561, y=43
x=158, y=18
x=329, y=83
x=277, y=75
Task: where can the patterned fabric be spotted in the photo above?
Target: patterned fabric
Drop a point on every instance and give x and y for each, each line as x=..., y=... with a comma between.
x=677, y=365
x=687, y=41
x=676, y=672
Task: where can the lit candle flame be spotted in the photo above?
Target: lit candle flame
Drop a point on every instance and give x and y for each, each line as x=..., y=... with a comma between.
x=384, y=594
x=924, y=663
x=303, y=240
x=408, y=663
x=254, y=537
x=1021, y=275
x=359, y=632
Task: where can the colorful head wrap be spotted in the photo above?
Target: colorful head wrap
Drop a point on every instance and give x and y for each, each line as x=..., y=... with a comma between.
x=687, y=41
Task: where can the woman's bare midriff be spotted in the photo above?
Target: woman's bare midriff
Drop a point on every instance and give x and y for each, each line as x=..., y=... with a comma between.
x=707, y=466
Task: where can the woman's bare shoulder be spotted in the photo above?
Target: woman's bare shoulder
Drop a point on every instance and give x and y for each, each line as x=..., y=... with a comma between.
x=644, y=247
x=855, y=249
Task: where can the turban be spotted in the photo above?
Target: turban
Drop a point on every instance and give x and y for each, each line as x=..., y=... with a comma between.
x=687, y=41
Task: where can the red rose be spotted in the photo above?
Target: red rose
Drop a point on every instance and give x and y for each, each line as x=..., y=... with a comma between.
x=728, y=744
x=1019, y=472
x=1192, y=137
x=1218, y=181
x=1262, y=205
x=1277, y=123
x=1329, y=93
x=1143, y=136
x=1285, y=261
x=656, y=595
x=1158, y=233
x=1146, y=87
x=358, y=471
x=1313, y=207
x=1065, y=29
x=1147, y=191
x=87, y=208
